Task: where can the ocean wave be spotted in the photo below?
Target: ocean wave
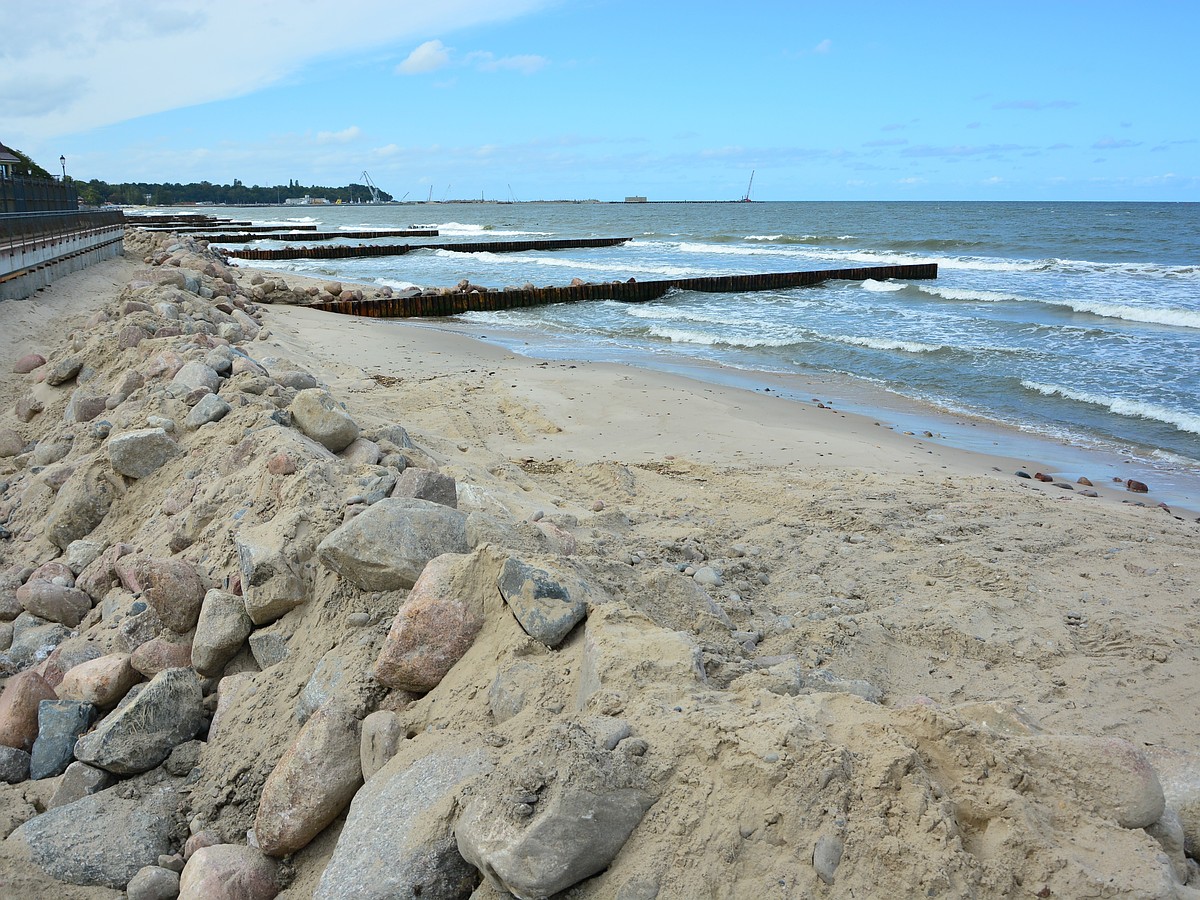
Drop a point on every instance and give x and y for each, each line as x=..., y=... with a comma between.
x=1154, y=315
x=688, y=336
x=1140, y=409
x=886, y=344
x=560, y=262
x=969, y=295
x=882, y=287
x=451, y=229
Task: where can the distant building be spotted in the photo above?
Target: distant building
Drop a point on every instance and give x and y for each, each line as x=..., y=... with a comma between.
x=305, y=201
x=635, y=199
x=8, y=162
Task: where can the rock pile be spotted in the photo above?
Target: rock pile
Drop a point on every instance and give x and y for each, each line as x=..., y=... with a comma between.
x=256, y=644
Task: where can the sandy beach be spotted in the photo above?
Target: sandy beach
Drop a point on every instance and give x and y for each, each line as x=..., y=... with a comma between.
x=915, y=672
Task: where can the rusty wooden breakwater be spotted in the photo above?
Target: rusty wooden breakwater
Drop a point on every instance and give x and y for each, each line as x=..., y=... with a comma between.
x=451, y=304
x=247, y=235
x=344, y=252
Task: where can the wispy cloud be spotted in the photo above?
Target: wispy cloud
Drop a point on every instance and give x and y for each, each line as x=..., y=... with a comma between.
x=1110, y=143
x=345, y=136
x=960, y=150
x=824, y=47
x=1035, y=104
x=429, y=57
x=526, y=64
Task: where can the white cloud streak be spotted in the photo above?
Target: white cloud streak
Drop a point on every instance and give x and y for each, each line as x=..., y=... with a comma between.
x=76, y=65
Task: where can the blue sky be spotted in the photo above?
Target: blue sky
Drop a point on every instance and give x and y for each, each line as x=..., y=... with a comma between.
x=549, y=99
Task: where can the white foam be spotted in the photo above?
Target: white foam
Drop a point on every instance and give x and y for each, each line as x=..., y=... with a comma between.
x=560, y=262
x=1154, y=315
x=969, y=295
x=687, y=336
x=882, y=287
x=1132, y=408
x=884, y=344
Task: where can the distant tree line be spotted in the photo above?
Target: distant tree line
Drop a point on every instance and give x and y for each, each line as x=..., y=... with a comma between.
x=98, y=193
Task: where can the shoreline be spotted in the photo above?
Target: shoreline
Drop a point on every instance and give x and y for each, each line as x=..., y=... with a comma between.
x=962, y=442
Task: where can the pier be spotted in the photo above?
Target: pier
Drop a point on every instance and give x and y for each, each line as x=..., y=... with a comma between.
x=361, y=250
x=299, y=234
x=455, y=303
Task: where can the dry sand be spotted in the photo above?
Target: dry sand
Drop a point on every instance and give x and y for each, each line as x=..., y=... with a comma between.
x=932, y=574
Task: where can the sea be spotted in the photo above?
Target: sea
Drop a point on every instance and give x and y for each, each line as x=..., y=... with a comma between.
x=1067, y=333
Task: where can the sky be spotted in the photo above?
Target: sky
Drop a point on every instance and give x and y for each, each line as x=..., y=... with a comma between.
x=600, y=99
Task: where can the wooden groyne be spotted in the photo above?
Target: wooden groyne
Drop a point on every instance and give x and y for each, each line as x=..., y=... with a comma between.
x=243, y=228
x=451, y=304
x=249, y=234
x=345, y=252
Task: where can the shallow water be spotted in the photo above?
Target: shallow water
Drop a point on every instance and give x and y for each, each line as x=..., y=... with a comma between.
x=1076, y=323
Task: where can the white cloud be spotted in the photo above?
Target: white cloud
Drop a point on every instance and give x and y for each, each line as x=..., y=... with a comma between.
x=429, y=57
x=345, y=136
x=76, y=65
x=824, y=47
x=526, y=64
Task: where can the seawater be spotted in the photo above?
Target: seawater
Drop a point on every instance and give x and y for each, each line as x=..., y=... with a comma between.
x=1073, y=323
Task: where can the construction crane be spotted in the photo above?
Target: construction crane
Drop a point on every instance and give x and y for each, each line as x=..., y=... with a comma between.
x=370, y=186
x=746, y=197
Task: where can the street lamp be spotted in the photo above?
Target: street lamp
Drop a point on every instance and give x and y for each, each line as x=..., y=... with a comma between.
x=63, y=160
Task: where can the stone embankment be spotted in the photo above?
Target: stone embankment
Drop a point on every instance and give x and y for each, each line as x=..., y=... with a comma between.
x=256, y=645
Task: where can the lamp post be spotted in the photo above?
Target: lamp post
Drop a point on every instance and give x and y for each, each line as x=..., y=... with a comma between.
x=63, y=161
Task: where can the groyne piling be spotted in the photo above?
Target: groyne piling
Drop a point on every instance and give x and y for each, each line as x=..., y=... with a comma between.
x=454, y=303
x=248, y=234
x=360, y=250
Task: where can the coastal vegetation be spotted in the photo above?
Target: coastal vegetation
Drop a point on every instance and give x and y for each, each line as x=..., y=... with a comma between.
x=98, y=193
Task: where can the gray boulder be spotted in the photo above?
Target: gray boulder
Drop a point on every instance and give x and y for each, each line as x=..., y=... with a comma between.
x=82, y=503
x=425, y=484
x=380, y=855
x=60, y=723
x=211, y=408
x=387, y=545
x=534, y=831
x=221, y=630
x=547, y=606
x=103, y=839
x=79, y=781
x=14, y=765
x=196, y=375
x=137, y=454
x=318, y=415
x=141, y=734
x=272, y=583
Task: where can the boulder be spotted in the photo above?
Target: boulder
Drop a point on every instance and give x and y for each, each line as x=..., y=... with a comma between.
x=79, y=781
x=103, y=839
x=14, y=766
x=84, y=406
x=137, y=454
x=11, y=443
x=424, y=484
x=194, y=376
x=316, y=413
x=380, y=855
x=273, y=579
x=211, y=408
x=381, y=737
x=64, y=370
x=1110, y=775
x=361, y=452
x=576, y=815
x=312, y=783
x=170, y=586
x=82, y=503
x=19, y=709
x=229, y=872
x=28, y=363
x=103, y=681
x=60, y=723
x=546, y=605
x=141, y=734
x=54, y=602
x=153, y=883
x=167, y=651
x=434, y=628
x=221, y=630
x=387, y=545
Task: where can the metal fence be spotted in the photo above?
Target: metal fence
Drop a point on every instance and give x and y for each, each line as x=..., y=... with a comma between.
x=25, y=229
x=21, y=194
